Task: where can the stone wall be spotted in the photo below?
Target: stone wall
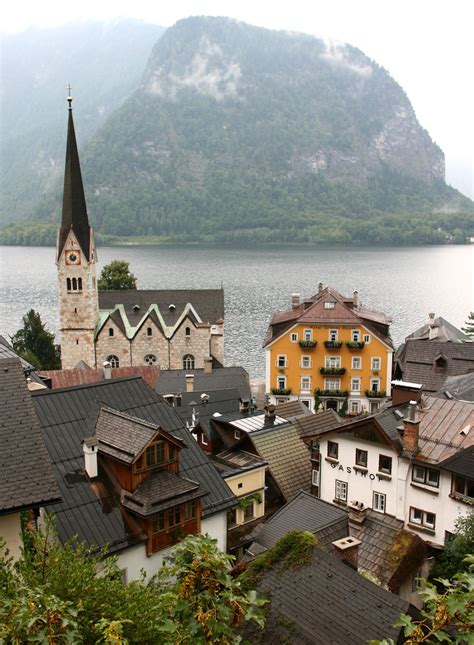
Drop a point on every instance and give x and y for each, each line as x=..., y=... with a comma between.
x=156, y=345
x=197, y=343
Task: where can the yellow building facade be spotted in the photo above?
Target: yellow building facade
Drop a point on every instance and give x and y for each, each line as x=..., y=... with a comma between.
x=329, y=352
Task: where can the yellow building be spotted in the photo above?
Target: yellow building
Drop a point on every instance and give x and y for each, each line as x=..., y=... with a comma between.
x=331, y=350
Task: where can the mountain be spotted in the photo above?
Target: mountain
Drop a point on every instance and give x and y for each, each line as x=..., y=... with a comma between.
x=238, y=133
x=104, y=63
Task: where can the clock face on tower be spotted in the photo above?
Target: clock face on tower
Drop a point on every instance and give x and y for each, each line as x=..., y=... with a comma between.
x=73, y=257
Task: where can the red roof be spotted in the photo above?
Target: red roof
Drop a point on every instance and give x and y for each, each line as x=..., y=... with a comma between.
x=66, y=378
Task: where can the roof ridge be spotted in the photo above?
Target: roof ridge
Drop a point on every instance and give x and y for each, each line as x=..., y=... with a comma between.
x=125, y=415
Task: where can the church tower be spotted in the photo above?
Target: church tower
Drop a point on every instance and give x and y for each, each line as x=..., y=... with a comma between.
x=76, y=262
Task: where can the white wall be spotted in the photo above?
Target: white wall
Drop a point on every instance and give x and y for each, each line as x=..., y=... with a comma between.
x=10, y=531
x=216, y=527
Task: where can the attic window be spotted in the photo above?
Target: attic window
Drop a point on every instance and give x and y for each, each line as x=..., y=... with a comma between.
x=330, y=304
x=155, y=454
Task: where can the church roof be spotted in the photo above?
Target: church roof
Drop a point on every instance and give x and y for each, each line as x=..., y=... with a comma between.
x=74, y=215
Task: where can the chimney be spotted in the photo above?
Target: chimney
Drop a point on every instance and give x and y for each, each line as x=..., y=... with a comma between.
x=357, y=517
x=89, y=448
x=189, y=382
x=178, y=399
x=411, y=429
x=432, y=327
x=347, y=550
x=355, y=299
x=244, y=406
x=270, y=414
x=107, y=370
x=207, y=366
x=295, y=300
x=320, y=287
x=403, y=392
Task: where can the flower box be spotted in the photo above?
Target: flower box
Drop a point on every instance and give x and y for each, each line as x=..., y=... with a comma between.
x=308, y=344
x=335, y=393
x=370, y=394
x=281, y=391
x=337, y=371
x=355, y=344
x=333, y=344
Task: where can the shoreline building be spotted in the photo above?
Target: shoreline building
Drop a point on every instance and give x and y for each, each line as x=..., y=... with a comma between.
x=329, y=350
x=172, y=329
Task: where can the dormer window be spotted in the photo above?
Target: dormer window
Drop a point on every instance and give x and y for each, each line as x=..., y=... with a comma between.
x=330, y=304
x=441, y=363
x=155, y=455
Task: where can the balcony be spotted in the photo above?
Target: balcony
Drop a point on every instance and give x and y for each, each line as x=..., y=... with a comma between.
x=281, y=391
x=308, y=344
x=334, y=371
x=375, y=394
x=355, y=344
x=342, y=394
x=333, y=344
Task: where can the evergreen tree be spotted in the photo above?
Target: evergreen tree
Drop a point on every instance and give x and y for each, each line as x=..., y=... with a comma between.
x=117, y=276
x=469, y=325
x=35, y=344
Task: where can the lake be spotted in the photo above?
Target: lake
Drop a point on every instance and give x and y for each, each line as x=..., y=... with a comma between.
x=405, y=283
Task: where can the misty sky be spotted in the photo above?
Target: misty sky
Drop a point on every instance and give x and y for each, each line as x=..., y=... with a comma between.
x=426, y=45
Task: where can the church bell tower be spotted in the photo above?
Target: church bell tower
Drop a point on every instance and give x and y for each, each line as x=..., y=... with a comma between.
x=76, y=261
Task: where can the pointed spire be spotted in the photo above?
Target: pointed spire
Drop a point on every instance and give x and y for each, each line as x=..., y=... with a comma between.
x=74, y=214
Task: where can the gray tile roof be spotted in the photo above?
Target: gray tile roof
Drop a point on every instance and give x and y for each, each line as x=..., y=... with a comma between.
x=444, y=331
x=462, y=463
x=316, y=424
x=26, y=474
x=174, y=381
x=325, y=601
x=67, y=416
x=287, y=457
x=121, y=435
x=292, y=409
x=306, y=513
x=7, y=351
x=458, y=387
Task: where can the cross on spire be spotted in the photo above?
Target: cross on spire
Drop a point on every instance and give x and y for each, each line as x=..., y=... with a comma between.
x=69, y=97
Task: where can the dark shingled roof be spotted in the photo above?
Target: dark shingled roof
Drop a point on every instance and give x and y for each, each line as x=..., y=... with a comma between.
x=316, y=424
x=174, y=381
x=458, y=387
x=462, y=463
x=161, y=491
x=74, y=216
x=292, y=409
x=26, y=474
x=68, y=417
x=306, y=513
x=208, y=303
x=325, y=601
x=443, y=331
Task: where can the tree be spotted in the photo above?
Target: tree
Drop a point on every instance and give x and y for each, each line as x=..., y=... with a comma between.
x=54, y=595
x=469, y=325
x=116, y=275
x=35, y=344
x=447, y=615
x=450, y=561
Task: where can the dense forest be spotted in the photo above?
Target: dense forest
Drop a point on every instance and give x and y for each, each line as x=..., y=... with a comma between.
x=238, y=133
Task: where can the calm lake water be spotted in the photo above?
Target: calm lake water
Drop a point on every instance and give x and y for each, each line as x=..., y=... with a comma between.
x=405, y=283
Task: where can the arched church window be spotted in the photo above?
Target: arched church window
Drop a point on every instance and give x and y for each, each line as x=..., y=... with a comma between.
x=188, y=362
x=79, y=284
x=74, y=284
x=68, y=284
x=113, y=360
x=187, y=331
x=111, y=331
x=150, y=359
x=149, y=331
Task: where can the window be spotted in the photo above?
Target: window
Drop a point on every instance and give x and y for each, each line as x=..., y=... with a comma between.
x=232, y=517
x=385, y=464
x=355, y=384
x=361, y=458
x=462, y=486
x=374, y=406
x=171, y=453
x=281, y=382
x=158, y=522
x=308, y=334
x=332, y=334
x=333, y=361
x=294, y=337
x=187, y=331
x=375, y=363
x=150, y=359
x=375, y=384
x=188, y=362
x=366, y=338
x=332, y=384
x=356, y=363
x=330, y=304
x=149, y=331
x=333, y=449
x=355, y=335
x=423, y=518
x=113, y=360
x=341, y=491
x=427, y=476
x=74, y=284
x=378, y=502
x=355, y=407
x=174, y=516
x=111, y=331
x=68, y=284
x=204, y=439
x=306, y=361
x=281, y=360
x=315, y=477
x=79, y=284
x=249, y=512
x=189, y=511
x=306, y=383
x=155, y=454
x=237, y=434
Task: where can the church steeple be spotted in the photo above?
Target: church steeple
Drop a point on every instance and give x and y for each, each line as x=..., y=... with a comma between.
x=74, y=215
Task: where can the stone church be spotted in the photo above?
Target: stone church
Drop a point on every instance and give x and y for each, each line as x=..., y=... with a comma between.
x=172, y=329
